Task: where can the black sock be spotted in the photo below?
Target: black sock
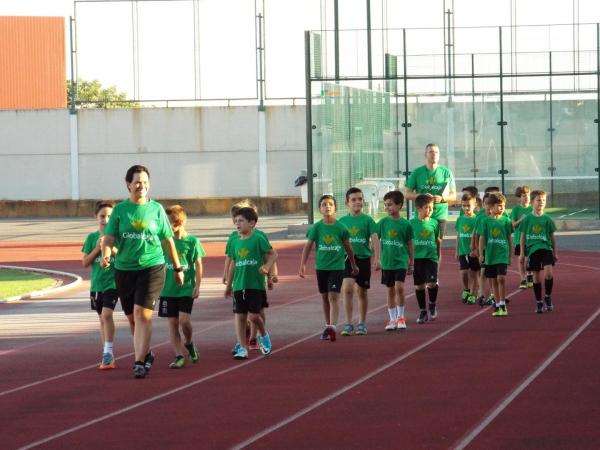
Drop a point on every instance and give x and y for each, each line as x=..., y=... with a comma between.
x=420, y=293
x=433, y=293
x=548, y=286
x=537, y=290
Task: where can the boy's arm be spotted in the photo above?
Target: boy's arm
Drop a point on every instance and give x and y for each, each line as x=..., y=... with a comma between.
x=226, y=269
x=88, y=259
x=107, y=246
x=474, y=244
x=169, y=245
x=351, y=258
x=522, y=250
x=438, y=243
x=481, y=247
x=270, y=257
x=510, y=246
x=198, y=270
x=456, y=246
x=229, y=283
x=376, y=247
x=554, y=247
x=305, y=252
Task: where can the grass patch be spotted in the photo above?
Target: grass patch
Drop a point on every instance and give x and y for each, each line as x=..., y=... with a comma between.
x=18, y=282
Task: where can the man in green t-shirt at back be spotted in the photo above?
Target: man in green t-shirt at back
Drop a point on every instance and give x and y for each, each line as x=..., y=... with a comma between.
x=435, y=180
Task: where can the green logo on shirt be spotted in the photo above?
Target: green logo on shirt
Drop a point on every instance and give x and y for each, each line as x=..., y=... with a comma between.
x=328, y=239
x=495, y=232
x=537, y=228
x=392, y=234
x=354, y=230
x=425, y=233
x=243, y=252
x=466, y=228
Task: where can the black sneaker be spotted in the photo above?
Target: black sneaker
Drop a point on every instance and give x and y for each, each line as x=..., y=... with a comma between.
x=139, y=370
x=548, y=302
x=148, y=360
x=422, y=317
x=481, y=301
x=324, y=335
x=193, y=351
x=539, y=307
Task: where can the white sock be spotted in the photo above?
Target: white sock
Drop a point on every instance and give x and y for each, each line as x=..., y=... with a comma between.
x=392, y=313
x=400, y=312
x=108, y=347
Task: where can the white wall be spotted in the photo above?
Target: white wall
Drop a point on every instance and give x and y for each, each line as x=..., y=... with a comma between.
x=190, y=152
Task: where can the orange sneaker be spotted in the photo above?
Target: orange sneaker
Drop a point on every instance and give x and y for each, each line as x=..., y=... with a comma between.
x=108, y=361
x=401, y=324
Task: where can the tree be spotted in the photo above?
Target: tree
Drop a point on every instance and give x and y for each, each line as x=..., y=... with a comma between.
x=91, y=94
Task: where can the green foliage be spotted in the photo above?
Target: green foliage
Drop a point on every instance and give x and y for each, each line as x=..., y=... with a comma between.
x=91, y=94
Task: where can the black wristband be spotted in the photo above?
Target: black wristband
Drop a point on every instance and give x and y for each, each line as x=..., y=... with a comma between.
x=178, y=269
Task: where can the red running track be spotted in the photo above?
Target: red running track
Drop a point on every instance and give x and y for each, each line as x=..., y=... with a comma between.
x=527, y=381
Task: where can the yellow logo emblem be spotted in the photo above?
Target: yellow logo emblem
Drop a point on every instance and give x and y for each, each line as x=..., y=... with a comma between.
x=243, y=252
x=392, y=234
x=354, y=230
x=466, y=228
x=425, y=233
x=138, y=224
x=537, y=228
x=431, y=180
x=495, y=232
x=328, y=239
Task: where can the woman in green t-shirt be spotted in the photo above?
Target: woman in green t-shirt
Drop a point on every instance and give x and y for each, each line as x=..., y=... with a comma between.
x=140, y=228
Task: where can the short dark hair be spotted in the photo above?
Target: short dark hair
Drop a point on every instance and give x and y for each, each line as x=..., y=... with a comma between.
x=176, y=214
x=467, y=197
x=537, y=193
x=135, y=169
x=495, y=198
x=247, y=213
x=423, y=199
x=349, y=192
x=327, y=196
x=521, y=190
x=246, y=203
x=103, y=204
x=471, y=190
x=492, y=189
x=479, y=201
x=396, y=196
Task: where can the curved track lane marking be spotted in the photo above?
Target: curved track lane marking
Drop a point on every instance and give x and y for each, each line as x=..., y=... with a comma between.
x=502, y=406
x=358, y=382
x=578, y=265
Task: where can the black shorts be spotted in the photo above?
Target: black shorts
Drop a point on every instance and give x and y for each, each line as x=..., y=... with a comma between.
x=330, y=280
x=389, y=277
x=518, y=250
x=249, y=301
x=539, y=259
x=107, y=299
x=172, y=306
x=469, y=263
x=140, y=287
x=363, y=279
x=426, y=271
x=493, y=270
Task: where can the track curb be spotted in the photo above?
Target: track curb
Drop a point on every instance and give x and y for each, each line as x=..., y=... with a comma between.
x=53, y=290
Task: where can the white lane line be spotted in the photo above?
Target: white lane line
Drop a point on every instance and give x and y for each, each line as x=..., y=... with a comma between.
x=127, y=355
x=174, y=391
x=578, y=265
x=361, y=380
x=473, y=434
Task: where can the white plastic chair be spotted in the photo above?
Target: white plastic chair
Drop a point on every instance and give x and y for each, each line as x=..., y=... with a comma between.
x=371, y=195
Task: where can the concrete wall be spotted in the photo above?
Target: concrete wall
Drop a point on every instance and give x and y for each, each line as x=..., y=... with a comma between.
x=191, y=152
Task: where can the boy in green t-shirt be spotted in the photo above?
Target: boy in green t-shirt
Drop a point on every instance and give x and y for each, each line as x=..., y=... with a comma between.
x=251, y=331
x=333, y=244
x=486, y=295
x=539, y=243
x=495, y=244
x=467, y=258
x=176, y=301
x=518, y=213
x=252, y=257
x=364, y=241
x=103, y=291
x=428, y=253
x=397, y=257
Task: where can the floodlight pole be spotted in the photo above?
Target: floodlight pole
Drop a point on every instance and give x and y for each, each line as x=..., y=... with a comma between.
x=502, y=123
x=336, y=39
x=369, y=56
x=73, y=138
x=598, y=108
x=309, y=156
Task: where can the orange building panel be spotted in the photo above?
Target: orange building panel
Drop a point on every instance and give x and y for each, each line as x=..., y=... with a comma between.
x=32, y=63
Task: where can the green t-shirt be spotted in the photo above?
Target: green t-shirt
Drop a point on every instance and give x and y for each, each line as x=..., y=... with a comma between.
x=361, y=228
x=434, y=182
x=189, y=250
x=138, y=232
x=425, y=235
x=497, y=234
x=538, y=232
x=394, y=235
x=329, y=241
x=464, y=231
x=515, y=215
x=101, y=279
x=248, y=256
x=235, y=235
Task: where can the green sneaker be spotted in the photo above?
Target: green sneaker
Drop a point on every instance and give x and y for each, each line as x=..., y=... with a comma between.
x=523, y=284
x=193, y=351
x=348, y=330
x=465, y=296
x=471, y=300
x=500, y=311
x=178, y=363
